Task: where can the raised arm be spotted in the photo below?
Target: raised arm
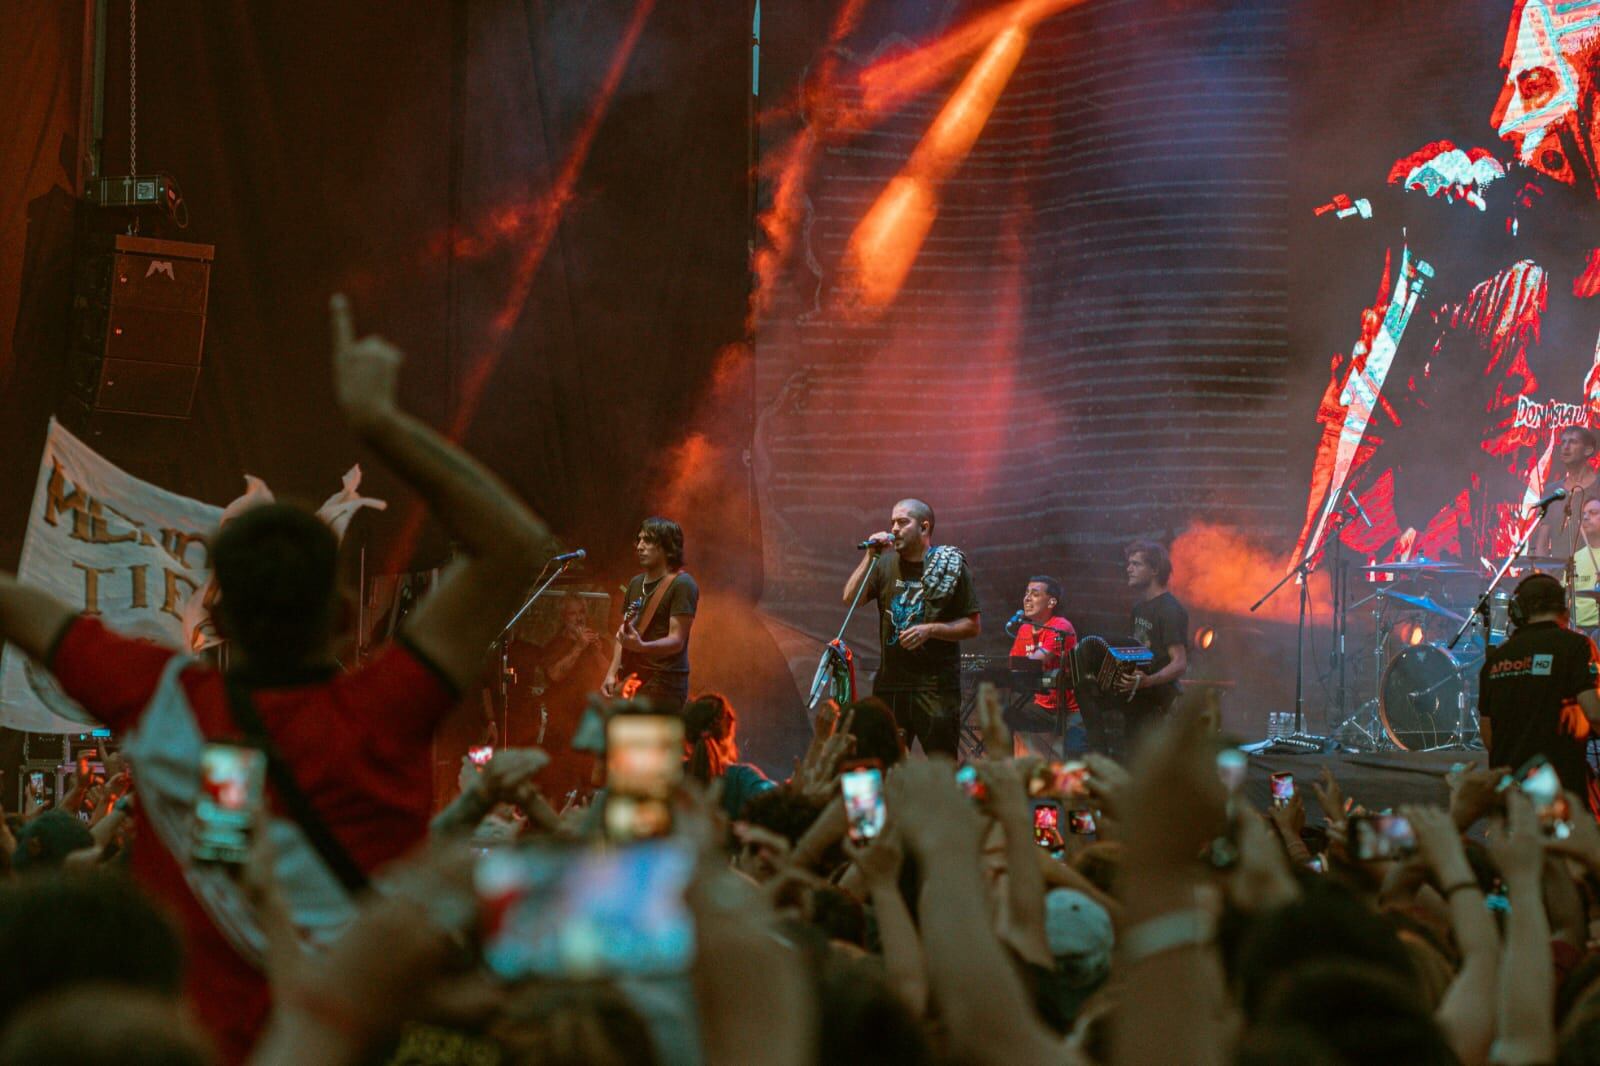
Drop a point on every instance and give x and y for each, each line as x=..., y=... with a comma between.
x=864, y=567
x=501, y=537
x=31, y=618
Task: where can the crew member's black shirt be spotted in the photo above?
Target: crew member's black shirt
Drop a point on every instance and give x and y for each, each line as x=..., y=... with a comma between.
x=1528, y=690
x=936, y=666
x=683, y=598
x=1159, y=623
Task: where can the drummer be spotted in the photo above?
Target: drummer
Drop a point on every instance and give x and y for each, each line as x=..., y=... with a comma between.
x=1557, y=533
x=1586, y=569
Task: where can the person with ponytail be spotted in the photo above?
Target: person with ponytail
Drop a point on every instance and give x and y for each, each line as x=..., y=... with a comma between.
x=710, y=725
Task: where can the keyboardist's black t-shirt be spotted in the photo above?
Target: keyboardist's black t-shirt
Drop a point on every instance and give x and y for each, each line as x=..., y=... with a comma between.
x=1158, y=624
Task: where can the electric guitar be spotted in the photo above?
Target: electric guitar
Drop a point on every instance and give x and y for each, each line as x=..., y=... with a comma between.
x=630, y=684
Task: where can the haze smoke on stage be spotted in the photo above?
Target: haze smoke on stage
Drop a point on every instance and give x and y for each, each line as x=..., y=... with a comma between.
x=1219, y=570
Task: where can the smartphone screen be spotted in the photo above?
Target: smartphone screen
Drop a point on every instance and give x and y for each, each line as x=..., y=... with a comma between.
x=862, y=788
x=644, y=754
x=1539, y=782
x=1382, y=836
x=482, y=755
x=574, y=912
x=1082, y=823
x=232, y=781
x=971, y=784
x=1047, y=824
x=1069, y=780
x=1232, y=765
x=1282, y=788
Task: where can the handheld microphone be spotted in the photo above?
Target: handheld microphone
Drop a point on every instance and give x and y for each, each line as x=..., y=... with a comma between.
x=1015, y=624
x=869, y=544
x=570, y=557
x=1342, y=207
x=1558, y=494
x=1360, y=510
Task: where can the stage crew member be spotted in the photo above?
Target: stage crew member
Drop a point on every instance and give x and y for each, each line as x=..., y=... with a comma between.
x=1046, y=636
x=654, y=649
x=1161, y=624
x=1539, y=691
x=926, y=603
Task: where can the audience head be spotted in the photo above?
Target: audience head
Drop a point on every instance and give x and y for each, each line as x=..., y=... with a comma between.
x=47, y=839
x=103, y=1025
x=77, y=928
x=710, y=725
x=877, y=735
x=276, y=567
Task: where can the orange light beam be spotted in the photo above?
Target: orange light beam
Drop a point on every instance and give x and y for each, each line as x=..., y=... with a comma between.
x=793, y=164
x=891, y=80
x=547, y=217
x=886, y=242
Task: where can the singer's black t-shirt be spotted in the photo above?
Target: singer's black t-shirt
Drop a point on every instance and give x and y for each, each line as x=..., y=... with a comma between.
x=936, y=666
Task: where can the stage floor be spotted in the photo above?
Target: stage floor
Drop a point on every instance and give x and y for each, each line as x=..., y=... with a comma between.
x=1375, y=781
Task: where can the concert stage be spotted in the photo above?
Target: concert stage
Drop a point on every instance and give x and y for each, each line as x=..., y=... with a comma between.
x=1375, y=780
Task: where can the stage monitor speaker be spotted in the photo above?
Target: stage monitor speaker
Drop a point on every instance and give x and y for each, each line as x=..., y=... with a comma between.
x=139, y=323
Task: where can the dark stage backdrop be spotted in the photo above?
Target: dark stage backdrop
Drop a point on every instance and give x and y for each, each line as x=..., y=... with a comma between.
x=544, y=203
x=1092, y=343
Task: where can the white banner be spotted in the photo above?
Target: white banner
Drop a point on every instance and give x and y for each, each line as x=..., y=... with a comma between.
x=127, y=551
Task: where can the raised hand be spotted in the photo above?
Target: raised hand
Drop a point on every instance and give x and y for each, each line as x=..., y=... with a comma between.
x=366, y=372
x=1517, y=847
x=1176, y=803
x=992, y=723
x=1440, y=844
x=1330, y=797
x=508, y=775
x=932, y=812
x=1473, y=794
x=879, y=859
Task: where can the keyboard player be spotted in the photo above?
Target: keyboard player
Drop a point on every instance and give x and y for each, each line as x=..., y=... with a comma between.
x=1046, y=637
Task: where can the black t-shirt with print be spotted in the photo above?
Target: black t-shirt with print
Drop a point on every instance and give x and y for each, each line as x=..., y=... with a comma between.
x=682, y=599
x=936, y=666
x=1158, y=623
x=1528, y=689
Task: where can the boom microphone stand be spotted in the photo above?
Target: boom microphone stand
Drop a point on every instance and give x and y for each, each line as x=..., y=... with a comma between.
x=1336, y=521
x=503, y=640
x=819, y=682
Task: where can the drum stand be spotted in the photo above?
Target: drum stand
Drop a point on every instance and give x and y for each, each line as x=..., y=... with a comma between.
x=1367, y=720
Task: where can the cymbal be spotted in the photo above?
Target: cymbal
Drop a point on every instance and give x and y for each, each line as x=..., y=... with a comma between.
x=1538, y=560
x=1423, y=603
x=1423, y=565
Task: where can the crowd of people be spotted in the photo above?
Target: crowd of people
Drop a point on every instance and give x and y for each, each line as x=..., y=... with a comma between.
x=1160, y=919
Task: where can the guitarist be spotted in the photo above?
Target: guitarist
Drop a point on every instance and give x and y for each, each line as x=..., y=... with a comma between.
x=653, y=642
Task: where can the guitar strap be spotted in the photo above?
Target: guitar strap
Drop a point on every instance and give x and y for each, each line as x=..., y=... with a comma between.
x=655, y=601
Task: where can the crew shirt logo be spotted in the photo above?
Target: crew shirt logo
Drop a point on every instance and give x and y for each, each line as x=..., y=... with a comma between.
x=1542, y=665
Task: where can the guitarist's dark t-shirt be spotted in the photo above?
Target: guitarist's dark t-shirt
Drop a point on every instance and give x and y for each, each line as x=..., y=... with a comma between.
x=667, y=671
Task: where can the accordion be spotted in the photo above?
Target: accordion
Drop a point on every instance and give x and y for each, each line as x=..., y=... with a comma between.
x=1103, y=662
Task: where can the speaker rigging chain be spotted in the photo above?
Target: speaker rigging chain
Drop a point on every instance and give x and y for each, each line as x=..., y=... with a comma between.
x=133, y=86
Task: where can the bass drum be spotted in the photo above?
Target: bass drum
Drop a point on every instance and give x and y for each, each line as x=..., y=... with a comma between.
x=1425, y=696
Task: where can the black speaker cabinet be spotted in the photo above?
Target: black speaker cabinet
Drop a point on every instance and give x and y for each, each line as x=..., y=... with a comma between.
x=139, y=324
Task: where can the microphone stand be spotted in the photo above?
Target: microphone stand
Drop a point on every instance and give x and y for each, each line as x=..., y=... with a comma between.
x=504, y=642
x=819, y=681
x=1336, y=522
x=1481, y=608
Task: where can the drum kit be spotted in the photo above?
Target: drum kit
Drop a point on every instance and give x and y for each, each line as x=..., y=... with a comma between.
x=1425, y=694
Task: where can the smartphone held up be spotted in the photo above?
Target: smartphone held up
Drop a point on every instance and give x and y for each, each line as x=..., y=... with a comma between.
x=861, y=786
x=233, y=782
